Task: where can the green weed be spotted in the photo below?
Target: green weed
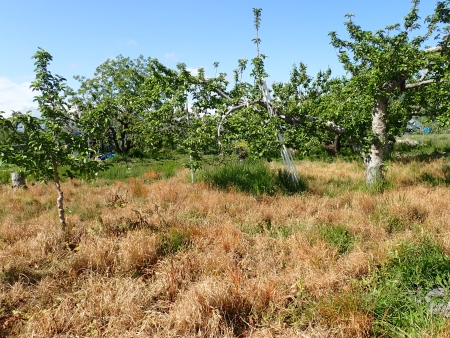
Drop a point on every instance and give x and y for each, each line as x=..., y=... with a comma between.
x=254, y=177
x=266, y=227
x=288, y=185
x=398, y=290
x=336, y=235
x=174, y=240
x=5, y=176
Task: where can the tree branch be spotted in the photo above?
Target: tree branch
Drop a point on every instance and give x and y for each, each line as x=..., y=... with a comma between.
x=291, y=120
x=221, y=93
x=425, y=73
x=225, y=115
x=302, y=120
x=420, y=83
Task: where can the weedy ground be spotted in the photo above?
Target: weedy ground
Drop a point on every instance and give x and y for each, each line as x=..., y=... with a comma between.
x=160, y=257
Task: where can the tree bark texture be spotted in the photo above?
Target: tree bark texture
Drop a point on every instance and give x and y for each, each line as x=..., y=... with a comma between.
x=380, y=146
x=18, y=180
x=60, y=199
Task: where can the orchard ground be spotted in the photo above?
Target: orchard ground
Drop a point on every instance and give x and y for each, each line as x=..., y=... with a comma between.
x=151, y=255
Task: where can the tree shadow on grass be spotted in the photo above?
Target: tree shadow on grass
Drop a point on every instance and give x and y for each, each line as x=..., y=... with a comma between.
x=27, y=276
x=425, y=157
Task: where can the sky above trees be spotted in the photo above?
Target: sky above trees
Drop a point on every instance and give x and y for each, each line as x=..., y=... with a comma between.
x=83, y=34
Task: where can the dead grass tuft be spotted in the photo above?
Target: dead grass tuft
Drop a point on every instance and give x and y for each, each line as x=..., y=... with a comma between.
x=138, y=250
x=97, y=307
x=153, y=175
x=96, y=254
x=211, y=308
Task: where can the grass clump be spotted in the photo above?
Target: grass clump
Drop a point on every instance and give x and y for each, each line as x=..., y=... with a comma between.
x=254, y=177
x=123, y=168
x=335, y=235
x=250, y=176
x=401, y=288
x=174, y=240
x=5, y=176
x=287, y=184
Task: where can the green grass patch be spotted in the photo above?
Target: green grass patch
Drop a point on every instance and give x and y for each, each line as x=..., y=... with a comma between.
x=336, y=235
x=399, y=289
x=254, y=177
x=421, y=146
x=174, y=240
x=272, y=230
x=124, y=168
x=5, y=176
x=5, y=172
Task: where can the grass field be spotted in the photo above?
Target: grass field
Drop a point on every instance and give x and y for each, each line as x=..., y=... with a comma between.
x=156, y=256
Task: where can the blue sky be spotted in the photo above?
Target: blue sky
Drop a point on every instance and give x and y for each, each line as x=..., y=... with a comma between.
x=80, y=35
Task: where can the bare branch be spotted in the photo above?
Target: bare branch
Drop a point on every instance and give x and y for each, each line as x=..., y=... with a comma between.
x=420, y=83
x=302, y=120
x=327, y=125
x=221, y=93
x=425, y=73
x=217, y=91
x=225, y=115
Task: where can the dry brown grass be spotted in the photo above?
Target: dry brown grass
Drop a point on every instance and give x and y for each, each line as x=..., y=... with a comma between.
x=171, y=259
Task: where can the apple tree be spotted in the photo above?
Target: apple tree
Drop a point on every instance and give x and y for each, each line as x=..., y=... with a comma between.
x=49, y=145
x=127, y=103
x=389, y=68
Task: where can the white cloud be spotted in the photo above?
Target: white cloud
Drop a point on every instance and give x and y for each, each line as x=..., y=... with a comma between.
x=132, y=42
x=193, y=71
x=18, y=97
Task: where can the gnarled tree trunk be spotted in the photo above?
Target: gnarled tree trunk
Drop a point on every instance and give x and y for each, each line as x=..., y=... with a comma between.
x=380, y=145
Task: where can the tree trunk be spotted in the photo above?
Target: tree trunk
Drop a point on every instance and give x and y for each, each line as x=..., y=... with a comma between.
x=374, y=165
x=114, y=141
x=333, y=147
x=60, y=200
x=380, y=145
x=18, y=180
